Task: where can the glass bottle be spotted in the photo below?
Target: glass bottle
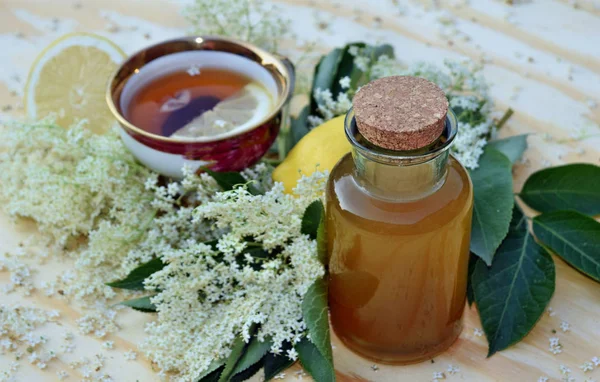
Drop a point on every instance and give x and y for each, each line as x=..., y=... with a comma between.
x=398, y=227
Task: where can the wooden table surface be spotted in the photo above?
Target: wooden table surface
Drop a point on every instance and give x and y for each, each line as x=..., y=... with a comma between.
x=542, y=58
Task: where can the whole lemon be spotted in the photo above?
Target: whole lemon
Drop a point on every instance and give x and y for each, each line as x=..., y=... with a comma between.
x=320, y=150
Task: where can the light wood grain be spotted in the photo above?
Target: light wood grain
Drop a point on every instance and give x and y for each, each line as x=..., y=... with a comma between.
x=552, y=94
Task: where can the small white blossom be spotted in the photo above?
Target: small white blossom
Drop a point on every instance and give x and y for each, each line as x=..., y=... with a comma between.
x=565, y=326
x=130, y=355
x=587, y=366
x=477, y=332
x=353, y=50
x=596, y=361
x=439, y=375
x=564, y=369
x=108, y=344
x=543, y=379
x=345, y=82
x=362, y=62
x=555, y=349
x=292, y=354
x=452, y=369
x=300, y=374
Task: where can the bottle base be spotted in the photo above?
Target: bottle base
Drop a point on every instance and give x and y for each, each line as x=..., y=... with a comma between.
x=399, y=359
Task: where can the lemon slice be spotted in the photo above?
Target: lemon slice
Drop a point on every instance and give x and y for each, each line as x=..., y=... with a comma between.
x=238, y=112
x=69, y=79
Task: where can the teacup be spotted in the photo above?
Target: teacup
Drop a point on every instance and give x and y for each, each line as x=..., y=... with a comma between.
x=233, y=152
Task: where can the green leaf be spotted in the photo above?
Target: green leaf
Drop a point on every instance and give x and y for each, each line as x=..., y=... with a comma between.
x=142, y=304
x=249, y=372
x=572, y=236
x=275, y=364
x=492, y=204
x=237, y=351
x=513, y=293
x=135, y=279
x=325, y=74
x=315, y=313
x=298, y=128
x=213, y=372
x=258, y=253
x=380, y=50
x=569, y=187
x=313, y=361
x=312, y=219
x=346, y=68
x=322, y=242
x=513, y=147
x=254, y=353
x=230, y=180
x=470, y=293
x=212, y=376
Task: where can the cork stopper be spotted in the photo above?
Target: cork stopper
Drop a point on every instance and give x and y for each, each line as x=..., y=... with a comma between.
x=400, y=112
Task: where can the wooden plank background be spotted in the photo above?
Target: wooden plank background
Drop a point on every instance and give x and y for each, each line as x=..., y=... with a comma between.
x=542, y=58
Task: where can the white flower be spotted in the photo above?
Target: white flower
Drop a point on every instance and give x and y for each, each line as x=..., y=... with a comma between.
x=353, y=50
x=108, y=344
x=329, y=107
x=314, y=121
x=477, y=332
x=362, y=62
x=254, y=21
x=564, y=369
x=130, y=355
x=596, y=361
x=466, y=90
x=565, y=326
x=587, y=366
x=345, y=82
x=542, y=379
x=452, y=369
x=236, y=293
x=292, y=354
x=555, y=346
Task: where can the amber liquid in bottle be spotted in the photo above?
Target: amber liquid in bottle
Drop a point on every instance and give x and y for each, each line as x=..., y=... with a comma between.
x=398, y=241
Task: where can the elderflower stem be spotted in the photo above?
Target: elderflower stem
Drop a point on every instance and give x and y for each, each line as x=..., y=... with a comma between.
x=505, y=118
x=272, y=162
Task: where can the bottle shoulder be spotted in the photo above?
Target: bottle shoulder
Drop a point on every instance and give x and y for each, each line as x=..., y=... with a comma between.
x=453, y=198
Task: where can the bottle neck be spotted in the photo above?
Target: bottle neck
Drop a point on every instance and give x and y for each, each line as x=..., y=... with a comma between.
x=400, y=175
x=400, y=182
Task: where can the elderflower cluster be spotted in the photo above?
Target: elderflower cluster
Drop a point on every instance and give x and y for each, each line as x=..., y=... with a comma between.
x=76, y=184
x=467, y=93
x=462, y=82
x=68, y=180
x=18, y=335
x=248, y=20
x=255, y=275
